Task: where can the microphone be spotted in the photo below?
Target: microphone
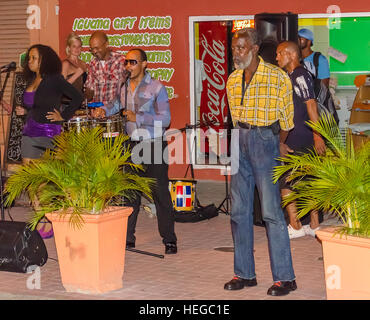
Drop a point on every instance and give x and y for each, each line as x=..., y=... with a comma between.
x=8, y=67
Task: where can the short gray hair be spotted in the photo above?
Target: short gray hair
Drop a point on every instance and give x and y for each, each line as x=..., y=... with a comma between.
x=251, y=34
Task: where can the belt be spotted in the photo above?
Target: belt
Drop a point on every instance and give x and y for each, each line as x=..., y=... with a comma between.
x=275, y=127
x=245, y=125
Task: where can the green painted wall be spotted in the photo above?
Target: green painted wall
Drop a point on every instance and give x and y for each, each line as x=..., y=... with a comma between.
x=352, y=39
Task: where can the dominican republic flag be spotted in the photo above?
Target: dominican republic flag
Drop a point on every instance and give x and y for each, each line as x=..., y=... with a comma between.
x=183, y=196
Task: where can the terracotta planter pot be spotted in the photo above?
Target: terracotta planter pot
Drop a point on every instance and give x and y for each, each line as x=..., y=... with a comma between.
x=92, y=259
x=347, y=265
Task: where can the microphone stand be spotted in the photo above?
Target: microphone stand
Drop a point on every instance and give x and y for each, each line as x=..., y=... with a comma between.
x=225, y=205
x=1, y=160
x=191, y=149
x=125, y=106
x=125, y=84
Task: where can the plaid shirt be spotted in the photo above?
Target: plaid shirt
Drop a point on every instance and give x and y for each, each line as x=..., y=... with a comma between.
x=105, y=80
x=267, y=99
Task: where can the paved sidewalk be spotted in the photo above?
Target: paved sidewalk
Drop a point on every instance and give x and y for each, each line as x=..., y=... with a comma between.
x=203, y=264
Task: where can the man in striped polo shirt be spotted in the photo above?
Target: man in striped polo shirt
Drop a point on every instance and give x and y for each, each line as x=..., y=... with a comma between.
x=261, y=106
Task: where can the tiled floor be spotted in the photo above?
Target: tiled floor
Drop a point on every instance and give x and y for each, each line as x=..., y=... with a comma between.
x=199, y=270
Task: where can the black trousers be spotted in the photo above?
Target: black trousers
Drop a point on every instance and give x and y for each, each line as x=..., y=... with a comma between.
x=161, y=197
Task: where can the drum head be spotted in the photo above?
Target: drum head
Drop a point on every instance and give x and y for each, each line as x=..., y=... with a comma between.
x=81, y=113
x=183, y=179
x=78, y=123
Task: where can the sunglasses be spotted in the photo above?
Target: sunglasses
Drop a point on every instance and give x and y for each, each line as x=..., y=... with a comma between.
x=132, y=62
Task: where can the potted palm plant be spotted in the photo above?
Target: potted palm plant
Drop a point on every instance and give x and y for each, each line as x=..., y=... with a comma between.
x=74, y=186
x=339, y=182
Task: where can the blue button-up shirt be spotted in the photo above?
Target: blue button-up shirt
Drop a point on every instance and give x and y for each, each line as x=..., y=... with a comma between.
x=150, y=103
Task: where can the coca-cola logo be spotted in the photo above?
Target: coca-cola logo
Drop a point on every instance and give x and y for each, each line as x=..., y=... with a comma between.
x=213, y=57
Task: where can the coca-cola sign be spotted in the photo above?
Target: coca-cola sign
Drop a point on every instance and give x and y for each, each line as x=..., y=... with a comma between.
x=213, y=52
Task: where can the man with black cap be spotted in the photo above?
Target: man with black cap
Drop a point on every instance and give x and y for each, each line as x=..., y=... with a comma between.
x=305, y=43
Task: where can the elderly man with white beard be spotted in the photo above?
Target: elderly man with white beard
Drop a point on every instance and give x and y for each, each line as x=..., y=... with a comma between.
x=261, y=104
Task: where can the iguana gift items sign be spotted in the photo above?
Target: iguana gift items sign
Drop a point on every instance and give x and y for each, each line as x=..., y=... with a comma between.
x=152, y=33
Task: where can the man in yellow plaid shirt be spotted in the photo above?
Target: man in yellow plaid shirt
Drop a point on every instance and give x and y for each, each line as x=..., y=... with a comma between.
x=261, y=104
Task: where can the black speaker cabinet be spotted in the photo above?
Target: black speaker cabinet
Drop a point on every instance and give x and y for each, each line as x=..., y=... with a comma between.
x=274, y=28
x=20, y=247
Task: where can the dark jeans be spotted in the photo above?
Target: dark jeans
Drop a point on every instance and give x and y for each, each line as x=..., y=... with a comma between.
x=161, y=197
x=258, y=150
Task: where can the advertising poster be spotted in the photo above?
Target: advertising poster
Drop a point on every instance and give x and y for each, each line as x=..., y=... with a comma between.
x=210, y=86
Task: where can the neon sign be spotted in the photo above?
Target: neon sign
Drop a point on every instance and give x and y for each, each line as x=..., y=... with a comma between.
x=241, y=24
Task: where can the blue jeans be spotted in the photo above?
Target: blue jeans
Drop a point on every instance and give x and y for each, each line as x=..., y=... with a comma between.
x=258, y=149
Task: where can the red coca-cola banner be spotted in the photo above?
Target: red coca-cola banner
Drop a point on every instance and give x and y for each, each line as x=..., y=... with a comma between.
x=213, y=53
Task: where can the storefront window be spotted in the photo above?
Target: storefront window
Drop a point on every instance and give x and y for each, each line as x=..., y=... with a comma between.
x=211, y=64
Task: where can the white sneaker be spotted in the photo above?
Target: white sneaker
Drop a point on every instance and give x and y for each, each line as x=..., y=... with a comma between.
x=293, y=233
x=310, y=232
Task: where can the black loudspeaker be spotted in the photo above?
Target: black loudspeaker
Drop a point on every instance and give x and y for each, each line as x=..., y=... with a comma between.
x=20, y=247
x=274, y=28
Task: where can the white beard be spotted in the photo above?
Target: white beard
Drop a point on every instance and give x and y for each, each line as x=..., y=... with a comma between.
x=244, y=65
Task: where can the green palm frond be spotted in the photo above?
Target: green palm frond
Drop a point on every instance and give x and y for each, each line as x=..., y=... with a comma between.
x=83, y=173
x=338, y=181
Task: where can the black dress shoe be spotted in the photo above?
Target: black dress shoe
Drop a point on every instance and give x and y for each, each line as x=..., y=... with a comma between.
x=171, y=248
x=130, y=245
x=282, y=288
x=239, y=283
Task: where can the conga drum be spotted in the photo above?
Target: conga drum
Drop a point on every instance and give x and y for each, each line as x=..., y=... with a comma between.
x=182, y=193
x=78, y=124
x=112, y=126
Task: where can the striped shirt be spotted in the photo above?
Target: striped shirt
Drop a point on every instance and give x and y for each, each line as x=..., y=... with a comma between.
x=105, y=77
x=268, y=97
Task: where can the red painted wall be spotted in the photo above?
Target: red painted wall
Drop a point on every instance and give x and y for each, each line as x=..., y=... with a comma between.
x=180, y=11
